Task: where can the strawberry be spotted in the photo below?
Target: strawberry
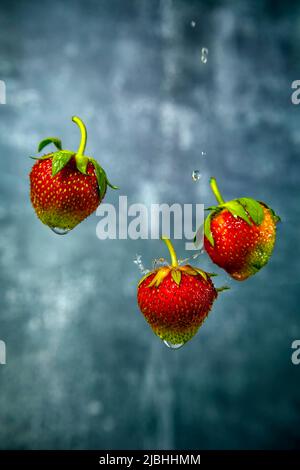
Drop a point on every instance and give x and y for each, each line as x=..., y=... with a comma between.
x=239, y=234
x=66, y=186
x=176, y=300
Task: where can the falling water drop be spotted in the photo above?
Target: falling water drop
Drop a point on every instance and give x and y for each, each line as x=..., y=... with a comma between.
x=60, y=231
x=193, y=24
x=172, y=345
x=196, y=175
x=204, y=54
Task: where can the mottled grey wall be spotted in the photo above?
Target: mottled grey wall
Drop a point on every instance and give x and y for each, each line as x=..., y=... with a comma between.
x=83, y=368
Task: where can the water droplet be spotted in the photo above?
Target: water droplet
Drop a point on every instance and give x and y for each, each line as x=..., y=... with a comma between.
x=172, y=345
x=204, y=54
x=60, y=231
x=138, y=261
x=203, y=153
x=196, y=175
x=193, y=24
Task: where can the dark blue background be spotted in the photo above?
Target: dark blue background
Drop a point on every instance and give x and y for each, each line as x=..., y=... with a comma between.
x=83, y=368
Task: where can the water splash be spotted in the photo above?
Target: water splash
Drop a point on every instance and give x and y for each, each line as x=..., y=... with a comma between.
x=190, y=258
x=204, y=54
x=172, y=345
x=138, y=261
x=158, y=262
x=196, y=175
x=60, y=231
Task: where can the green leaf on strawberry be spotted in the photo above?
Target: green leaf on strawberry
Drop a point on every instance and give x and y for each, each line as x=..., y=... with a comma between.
x=44, y=157
x=253, y=208
x=176, y=276
x=59, y=160
x=101, y=177
x=203, y=273
x=50, y=140
x=222, y=288
x=82, y=163
x=207, y=229
x=145, y=277
x=236, y=209
x=112, y=186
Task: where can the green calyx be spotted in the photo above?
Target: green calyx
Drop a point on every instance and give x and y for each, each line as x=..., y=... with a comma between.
x=61, y=157
x=246, y=208
x=175, y=270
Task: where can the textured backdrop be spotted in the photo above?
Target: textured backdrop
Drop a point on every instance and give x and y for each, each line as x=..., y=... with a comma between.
x=83, y=368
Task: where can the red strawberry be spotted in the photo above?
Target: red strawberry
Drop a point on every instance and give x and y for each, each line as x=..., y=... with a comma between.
x=239, y=234
x=66, y=187
x=176, y=300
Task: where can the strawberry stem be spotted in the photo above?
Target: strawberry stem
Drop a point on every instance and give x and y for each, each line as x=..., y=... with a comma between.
x=216, y=191
x=82, y=128
x=174, y=260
